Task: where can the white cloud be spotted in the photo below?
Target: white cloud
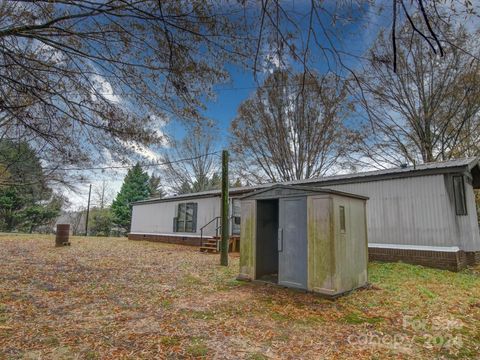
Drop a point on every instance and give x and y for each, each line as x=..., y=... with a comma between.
x=49, y=53
x=103, y=87
x=158, y=129
x=159, y=122
x=147, y=153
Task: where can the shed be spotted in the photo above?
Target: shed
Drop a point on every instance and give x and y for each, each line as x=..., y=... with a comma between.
x=307, y=238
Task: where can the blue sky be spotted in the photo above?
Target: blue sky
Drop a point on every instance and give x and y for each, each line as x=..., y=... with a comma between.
x=354, y=38
x=229, y=97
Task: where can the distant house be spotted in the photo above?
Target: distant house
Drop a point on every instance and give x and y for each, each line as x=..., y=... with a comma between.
x=422, y=215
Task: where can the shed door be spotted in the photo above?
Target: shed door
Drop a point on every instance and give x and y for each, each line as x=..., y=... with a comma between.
x=292, y=242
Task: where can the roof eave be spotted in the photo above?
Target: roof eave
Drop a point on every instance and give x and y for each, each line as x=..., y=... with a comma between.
x=412, y=172
x=380, y=177
x=191, y=196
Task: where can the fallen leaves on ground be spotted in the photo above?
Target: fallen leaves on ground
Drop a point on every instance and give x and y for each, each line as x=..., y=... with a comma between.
x=111, y=298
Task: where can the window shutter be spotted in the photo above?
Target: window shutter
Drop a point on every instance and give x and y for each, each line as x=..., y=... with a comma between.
x=194, y=220
x=175, y=218
x=459, y=194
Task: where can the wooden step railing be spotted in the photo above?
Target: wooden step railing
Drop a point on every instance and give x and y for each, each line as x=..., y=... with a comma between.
x=208, y=223
x=212, y=244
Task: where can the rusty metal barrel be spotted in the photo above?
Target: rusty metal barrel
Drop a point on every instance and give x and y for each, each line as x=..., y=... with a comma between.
x=63, y=233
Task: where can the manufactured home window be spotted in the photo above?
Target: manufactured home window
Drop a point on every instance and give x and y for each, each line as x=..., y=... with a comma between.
x=459, y=193
x=342, y=219
x=236, y=210
x=186, y=220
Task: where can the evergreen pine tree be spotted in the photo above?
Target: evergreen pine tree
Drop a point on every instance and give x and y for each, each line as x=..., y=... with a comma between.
x=135, y=187
x=26, y=200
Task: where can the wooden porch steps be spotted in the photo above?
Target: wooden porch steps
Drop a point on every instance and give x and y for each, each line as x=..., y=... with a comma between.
x=212, y=245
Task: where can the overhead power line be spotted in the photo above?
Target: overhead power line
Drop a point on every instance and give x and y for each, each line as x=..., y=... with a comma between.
x=130, y=166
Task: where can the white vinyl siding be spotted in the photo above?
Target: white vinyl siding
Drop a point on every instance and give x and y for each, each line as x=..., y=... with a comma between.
x=158, y=218
x=417, y=211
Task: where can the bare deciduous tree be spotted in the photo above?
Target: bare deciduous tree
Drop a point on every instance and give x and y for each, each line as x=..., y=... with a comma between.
x=79, y=78
x=192, y=162
x=430, y=109
x=77, y=222
x=103, y=195
x=311, y=34
x=289, y=131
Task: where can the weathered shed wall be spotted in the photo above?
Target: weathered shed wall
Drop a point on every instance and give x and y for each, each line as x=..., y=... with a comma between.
x=337, y=259
x=157, y=218
x=248, y=241
x=321, y=249
x=351, y=248
x=417, y=211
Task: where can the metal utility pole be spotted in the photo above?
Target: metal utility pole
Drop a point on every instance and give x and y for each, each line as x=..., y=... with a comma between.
x=88, y=210
x=224, y=211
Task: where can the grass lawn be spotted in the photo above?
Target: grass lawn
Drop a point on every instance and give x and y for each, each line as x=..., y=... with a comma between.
x=110, y=298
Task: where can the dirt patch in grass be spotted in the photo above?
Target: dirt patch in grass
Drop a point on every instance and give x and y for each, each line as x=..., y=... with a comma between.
x=110, y=298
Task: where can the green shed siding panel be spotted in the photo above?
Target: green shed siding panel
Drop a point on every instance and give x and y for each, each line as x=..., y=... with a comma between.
x=247, y=240
x=320, y=245
x=350, y=245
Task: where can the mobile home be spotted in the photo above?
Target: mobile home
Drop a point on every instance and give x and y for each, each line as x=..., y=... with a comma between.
x=424, y=214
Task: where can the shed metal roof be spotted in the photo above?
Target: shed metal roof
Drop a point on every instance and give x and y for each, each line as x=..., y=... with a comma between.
x=450, y=166
x=303, y=189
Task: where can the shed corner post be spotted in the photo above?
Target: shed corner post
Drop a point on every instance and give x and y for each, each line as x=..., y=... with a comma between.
x=310, y=245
